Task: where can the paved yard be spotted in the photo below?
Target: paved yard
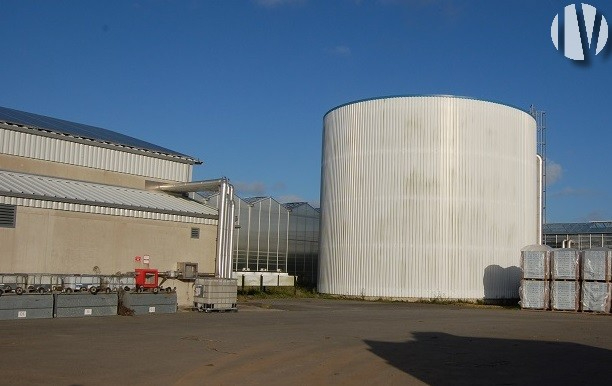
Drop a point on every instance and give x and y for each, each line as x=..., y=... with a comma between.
x=312, y=341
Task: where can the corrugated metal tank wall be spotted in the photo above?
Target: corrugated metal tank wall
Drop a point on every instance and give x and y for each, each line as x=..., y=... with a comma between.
x=426, y=197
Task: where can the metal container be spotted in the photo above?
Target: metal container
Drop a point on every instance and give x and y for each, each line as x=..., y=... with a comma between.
x=150, y=303
x=27, y=306
x=84, y=305
x=215, y=294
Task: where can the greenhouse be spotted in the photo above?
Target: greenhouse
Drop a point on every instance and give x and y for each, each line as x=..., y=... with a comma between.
x=275, y=237
x=578, y=235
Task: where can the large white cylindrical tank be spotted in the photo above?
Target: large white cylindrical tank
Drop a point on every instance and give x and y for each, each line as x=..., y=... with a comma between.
x=426, y=197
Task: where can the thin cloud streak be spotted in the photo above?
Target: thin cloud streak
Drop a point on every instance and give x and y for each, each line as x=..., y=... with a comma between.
x=277, y=3
x=554, y=172
x=575, y=192
x=246, y=189
x=340, y=51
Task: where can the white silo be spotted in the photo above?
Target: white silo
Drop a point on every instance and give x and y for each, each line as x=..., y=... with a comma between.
x=426, y=197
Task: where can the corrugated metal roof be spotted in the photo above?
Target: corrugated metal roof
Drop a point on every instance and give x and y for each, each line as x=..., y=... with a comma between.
x=61, y=190
x=597, y=227
x=80, y=130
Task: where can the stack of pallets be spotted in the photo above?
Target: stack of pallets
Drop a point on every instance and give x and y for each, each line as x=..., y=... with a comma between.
x=535, y=283
x=565, y=283
x=596, y=280
x=566, y=279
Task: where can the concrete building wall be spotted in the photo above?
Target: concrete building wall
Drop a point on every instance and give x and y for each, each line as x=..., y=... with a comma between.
x=53, y=241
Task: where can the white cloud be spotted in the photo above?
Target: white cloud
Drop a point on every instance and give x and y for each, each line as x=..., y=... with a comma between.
x=290, y=198
x=573, y=192
x=554, y=172
x=247, y=189
x=340, y=51
x=595, y=215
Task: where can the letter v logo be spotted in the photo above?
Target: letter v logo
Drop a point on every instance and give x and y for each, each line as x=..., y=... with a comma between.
x=579, y=24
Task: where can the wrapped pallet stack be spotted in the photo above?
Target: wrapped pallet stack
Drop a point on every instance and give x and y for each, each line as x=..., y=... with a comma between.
x=535, y=284
x=565, y=275
x=596, y=279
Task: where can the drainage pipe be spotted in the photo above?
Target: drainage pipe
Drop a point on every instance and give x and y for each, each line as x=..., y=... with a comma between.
x=540, y=163
x=221, y=232
x=225, y=222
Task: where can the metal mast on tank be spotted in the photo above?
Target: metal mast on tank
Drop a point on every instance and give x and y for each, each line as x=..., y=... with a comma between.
x=540, y=118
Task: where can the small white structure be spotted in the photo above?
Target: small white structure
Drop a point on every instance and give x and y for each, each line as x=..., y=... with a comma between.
x=426, y=197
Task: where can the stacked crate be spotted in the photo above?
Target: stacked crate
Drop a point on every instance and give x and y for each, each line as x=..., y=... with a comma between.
x=535, y=288
x=565, y=275
x=596, y=279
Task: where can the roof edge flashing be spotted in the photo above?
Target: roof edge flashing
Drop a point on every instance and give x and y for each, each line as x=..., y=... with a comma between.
x=423, y=96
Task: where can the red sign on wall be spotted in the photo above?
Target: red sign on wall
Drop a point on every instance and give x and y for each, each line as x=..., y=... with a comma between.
x=137, y=258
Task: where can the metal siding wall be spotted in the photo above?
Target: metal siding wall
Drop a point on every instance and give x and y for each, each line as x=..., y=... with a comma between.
x=73, y=153
x=71, y=207
x=426, y=197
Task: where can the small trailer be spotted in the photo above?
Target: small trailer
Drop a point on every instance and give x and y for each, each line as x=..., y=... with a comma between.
x=115, y=283
x=42, y=282
x=83, y=283
x=13, y=283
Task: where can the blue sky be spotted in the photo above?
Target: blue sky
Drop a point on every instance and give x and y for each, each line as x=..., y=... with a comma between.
x=244, y=85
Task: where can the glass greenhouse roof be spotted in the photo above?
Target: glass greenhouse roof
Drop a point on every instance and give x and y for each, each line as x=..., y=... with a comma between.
x=597, y=227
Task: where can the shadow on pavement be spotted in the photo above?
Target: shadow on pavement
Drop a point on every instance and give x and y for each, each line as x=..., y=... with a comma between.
x=442, y=359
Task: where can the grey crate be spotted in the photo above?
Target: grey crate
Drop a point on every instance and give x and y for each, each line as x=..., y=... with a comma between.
x=26, y=306
x=150, y=303
x=596, y=264
x=596, y=296
x=565, y=295
x=535, y=264
x=534, y=294
x=212, y=294
x=84, y=305
x=564, y=264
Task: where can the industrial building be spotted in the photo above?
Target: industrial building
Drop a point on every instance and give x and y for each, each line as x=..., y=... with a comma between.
x=427, y=197
x=81, y=199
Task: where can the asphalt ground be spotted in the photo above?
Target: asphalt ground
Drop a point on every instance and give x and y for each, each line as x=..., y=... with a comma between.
x=313, y=341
